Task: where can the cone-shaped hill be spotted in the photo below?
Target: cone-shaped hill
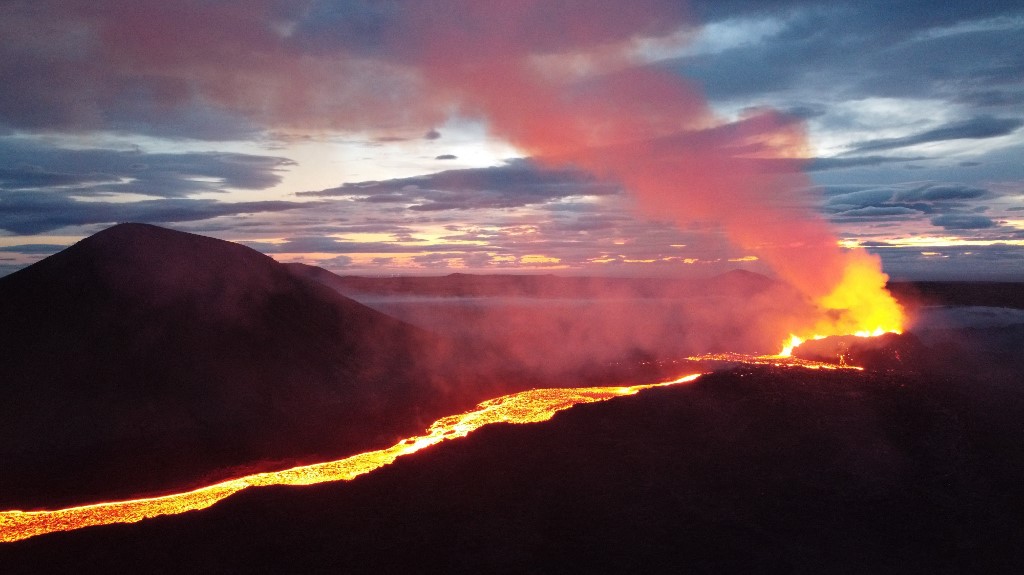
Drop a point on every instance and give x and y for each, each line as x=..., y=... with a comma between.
x=143, y=359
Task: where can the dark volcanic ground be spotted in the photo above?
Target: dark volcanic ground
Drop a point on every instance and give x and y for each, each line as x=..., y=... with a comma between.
x=751, y=470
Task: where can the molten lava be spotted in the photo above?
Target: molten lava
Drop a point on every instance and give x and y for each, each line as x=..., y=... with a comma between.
x=525, y=407
x=780, y=360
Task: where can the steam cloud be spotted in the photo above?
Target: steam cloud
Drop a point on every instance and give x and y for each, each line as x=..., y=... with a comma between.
x=557, y=81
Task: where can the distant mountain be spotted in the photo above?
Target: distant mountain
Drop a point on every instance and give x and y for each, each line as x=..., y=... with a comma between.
x=733, y=283
x=143, y=359
x=756, y=470
x=554, y=325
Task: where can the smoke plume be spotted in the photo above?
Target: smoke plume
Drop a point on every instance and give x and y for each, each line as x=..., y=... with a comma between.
x=558, y=80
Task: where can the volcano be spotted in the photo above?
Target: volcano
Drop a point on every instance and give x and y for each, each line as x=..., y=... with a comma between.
x=147, y=361
x=143, y=359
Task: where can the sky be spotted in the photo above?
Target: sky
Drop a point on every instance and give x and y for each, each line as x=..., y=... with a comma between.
x=596, y=137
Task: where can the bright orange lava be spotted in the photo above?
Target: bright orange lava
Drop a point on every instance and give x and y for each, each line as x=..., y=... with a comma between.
x=525, y=407
x=859, y=305
x=776, y=360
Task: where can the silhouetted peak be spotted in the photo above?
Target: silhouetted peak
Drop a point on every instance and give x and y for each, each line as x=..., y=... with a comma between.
x=133, y=265
x=144, y=243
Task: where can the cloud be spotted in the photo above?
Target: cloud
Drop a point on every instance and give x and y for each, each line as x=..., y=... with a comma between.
x=834, y=163
x=38, y=212
x=878, y=212
x=515, y=184
x=852, y=49
x=941, y=192
x=34, y=249
x=235, y=68
x=89, y=68
x=96, y=172
x=395, y=71
x=330, y=245
x=903, y=198
x=974, y=128
x=446, y=157
x=963, y=222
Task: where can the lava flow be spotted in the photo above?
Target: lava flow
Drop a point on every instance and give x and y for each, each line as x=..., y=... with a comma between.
x=784, y=359
x=531, y=406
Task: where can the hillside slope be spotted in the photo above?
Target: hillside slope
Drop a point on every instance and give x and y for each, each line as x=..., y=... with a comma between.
x=142, y=359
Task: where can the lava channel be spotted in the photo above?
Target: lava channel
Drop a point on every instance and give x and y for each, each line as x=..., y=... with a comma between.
x=531, y=406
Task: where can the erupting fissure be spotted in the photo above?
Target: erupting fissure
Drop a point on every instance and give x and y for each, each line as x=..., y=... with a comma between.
x=860, y=306
x=531, y=406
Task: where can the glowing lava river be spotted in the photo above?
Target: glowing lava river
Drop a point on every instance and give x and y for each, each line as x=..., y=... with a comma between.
x=531, y=406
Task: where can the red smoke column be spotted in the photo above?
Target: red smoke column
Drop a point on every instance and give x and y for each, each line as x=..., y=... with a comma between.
x=556, y=80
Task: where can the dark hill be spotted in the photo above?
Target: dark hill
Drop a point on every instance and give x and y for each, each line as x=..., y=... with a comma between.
x=143, y=359
x=750, y=471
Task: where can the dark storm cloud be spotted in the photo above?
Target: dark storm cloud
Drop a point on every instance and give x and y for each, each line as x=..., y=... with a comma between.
x=878, y=212
x=515, y=184
x=34, y=166
x=946, y=204
x=38, y=212
x=963, y=222
x=974, y=128
x=853, y=49
x=940, y=192
x=173, y=69
x=924, y=198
